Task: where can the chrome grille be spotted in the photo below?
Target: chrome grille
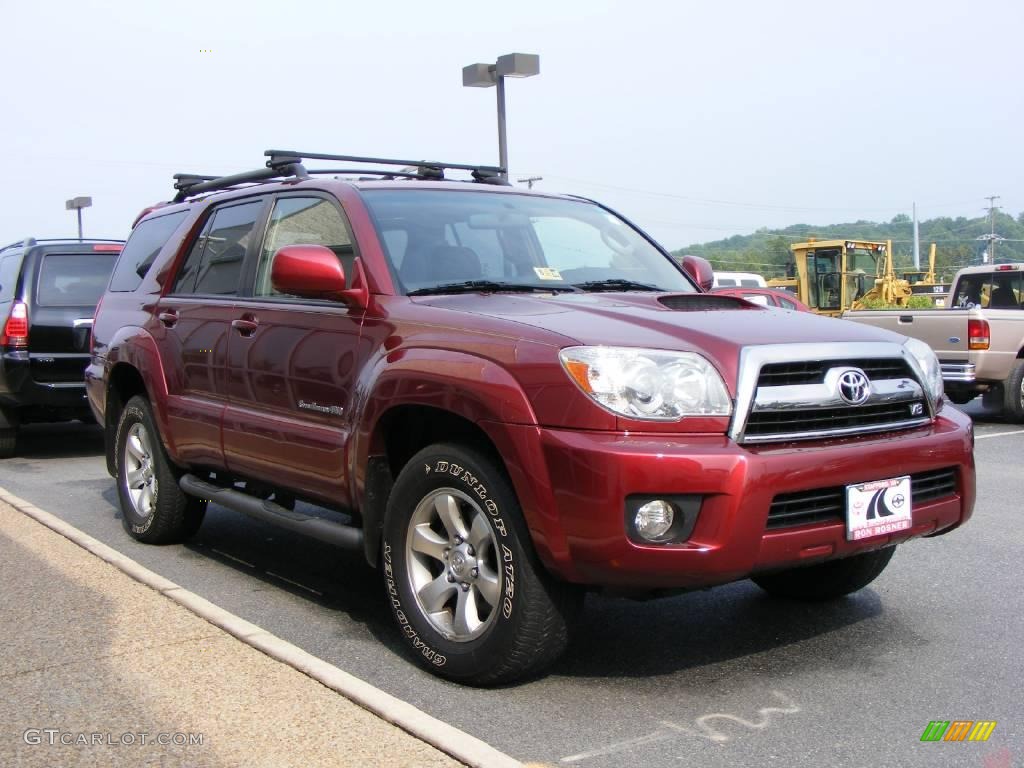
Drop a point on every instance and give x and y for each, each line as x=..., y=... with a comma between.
x=813, y=420
x=813, y=371
x=828, y=505
x=794, y=392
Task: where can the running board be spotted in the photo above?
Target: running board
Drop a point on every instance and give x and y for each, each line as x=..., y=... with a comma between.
x=315, y=527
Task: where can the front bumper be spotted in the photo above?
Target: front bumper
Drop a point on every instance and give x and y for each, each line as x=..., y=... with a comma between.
x=580, y=521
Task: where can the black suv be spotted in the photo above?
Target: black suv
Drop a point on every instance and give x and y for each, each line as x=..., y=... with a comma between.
x=48, y=295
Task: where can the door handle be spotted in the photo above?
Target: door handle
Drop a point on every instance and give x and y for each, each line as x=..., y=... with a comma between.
x=168, y=318
x=246, y=325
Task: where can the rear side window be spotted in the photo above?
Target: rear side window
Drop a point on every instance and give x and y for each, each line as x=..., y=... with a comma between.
x=73, y=280
x=214, y=264
x=1001, y=289
x=9, y=267
x=141, y=250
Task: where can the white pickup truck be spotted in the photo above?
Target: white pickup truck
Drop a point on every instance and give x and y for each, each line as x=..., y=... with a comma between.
x=979, y=338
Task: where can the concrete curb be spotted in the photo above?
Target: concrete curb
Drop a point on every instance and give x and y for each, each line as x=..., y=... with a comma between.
x=450, y=740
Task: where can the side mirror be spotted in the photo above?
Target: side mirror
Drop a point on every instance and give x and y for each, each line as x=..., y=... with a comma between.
x=700, y=270
x=314, y=272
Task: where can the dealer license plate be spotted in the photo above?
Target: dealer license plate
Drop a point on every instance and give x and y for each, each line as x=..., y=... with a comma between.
x=878, y=508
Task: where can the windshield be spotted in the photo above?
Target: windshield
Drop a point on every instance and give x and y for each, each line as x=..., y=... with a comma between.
x=440, y=240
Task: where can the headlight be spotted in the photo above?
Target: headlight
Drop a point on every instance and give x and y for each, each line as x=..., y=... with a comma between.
x=929, y=365
x=649, y=384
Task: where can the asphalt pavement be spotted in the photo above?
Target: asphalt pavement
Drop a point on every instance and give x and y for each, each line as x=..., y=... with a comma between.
x=721, y=677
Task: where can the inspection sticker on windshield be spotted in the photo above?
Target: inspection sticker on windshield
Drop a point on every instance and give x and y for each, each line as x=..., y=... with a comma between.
x=878, y=508
x=547, y=273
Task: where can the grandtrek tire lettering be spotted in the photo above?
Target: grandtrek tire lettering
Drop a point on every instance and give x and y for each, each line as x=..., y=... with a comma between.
x=429, y=653
x=457, y=555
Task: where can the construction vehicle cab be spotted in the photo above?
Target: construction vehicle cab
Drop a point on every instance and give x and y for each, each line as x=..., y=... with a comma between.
x=831, y=276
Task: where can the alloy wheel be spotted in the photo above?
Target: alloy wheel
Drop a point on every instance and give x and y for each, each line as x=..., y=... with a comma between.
x=452, y=557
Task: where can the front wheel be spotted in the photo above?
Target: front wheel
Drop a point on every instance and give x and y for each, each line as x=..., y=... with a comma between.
x=826, y=581
x=468, y=593
x=154, y=509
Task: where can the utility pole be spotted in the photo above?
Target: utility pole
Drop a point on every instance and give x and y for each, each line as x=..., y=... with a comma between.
x=529, y=181
x=992, y=208
x=917, y=243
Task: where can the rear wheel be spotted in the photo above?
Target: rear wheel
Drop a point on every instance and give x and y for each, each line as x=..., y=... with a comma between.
x=1013, y=394
x=469, y=595
x=154, y=509
x=826, y=581
x=8, y=442
x=8, y=432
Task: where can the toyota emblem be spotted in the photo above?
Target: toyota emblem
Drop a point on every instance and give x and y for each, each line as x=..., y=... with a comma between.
x=854, y=387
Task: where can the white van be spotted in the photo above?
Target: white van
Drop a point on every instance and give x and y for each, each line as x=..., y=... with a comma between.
x=738, y=280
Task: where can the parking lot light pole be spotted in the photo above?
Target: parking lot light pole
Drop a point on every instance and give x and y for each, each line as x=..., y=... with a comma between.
x=77, y=204
x=486, y=75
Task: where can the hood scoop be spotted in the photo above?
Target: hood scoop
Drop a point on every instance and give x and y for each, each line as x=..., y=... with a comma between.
x=703, y=302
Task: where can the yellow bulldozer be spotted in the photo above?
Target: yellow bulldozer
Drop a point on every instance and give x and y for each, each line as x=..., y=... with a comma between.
x=832, y=276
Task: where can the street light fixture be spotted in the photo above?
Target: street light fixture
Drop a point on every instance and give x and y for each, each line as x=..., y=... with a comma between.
x=77, y=204
x=486, y=75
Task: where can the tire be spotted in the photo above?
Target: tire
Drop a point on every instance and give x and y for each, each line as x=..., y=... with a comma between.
x=469, y=595
x=154, y=509
x=961, y=398
x=8, y=442
x=1013, y=395
x=826, y=581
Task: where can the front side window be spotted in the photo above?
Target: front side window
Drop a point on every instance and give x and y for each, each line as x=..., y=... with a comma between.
x=73, y=279
x=436, y=239
x=141, y=250
x=214, y=264
x=303, y=221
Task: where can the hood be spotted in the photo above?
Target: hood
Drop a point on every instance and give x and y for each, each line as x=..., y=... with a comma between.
x=715, y=326
x=683, y=322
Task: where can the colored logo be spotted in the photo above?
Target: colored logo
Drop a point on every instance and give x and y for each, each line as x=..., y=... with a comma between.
x=958, y=730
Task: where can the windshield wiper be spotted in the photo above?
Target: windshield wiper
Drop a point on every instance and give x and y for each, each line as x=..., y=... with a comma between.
x=488, y=286
x=616, y=284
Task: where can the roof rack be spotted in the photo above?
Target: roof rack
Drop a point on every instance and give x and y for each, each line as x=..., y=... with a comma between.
x=283, y=164
x=28, y=242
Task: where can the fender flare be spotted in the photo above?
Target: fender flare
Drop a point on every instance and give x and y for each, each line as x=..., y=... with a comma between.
x=134, y=347
x=481, y=391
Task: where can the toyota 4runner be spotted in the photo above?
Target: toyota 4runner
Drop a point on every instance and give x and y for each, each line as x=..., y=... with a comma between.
x=503, y=398
x=48, y=293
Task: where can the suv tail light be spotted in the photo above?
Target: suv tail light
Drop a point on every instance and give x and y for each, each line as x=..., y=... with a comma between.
x=977, y=334
x=16, y=329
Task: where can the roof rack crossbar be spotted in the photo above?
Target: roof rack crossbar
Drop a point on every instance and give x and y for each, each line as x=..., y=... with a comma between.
x=299, y=156
x=363, y=172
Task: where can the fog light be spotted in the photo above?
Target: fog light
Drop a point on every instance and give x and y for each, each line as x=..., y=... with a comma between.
x=653, y=519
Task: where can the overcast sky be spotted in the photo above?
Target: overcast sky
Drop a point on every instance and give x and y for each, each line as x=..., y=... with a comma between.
x=698, y=120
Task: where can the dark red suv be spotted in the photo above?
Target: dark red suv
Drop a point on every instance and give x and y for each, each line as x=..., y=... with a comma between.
x=503, y=398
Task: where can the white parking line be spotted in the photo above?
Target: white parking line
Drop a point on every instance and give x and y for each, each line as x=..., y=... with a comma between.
x=232, y=557
x=462, y=746
x=999, y=434
x=294, y=583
